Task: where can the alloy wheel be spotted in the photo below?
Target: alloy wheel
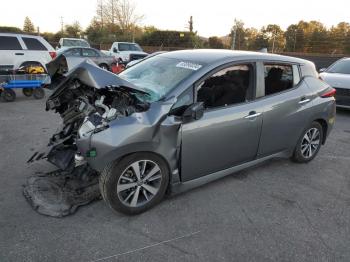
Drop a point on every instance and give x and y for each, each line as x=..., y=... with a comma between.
x=310, y=142
x=139, y=183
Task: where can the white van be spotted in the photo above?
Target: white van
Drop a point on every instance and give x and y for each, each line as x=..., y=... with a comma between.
x=18, y=50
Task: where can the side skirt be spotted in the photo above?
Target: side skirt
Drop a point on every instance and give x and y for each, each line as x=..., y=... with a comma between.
x=184, y=186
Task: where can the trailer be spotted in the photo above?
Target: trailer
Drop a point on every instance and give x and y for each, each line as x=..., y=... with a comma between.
x=31, y=85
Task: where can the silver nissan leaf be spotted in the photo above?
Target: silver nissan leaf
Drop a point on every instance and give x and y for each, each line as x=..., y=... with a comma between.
x=181, y=119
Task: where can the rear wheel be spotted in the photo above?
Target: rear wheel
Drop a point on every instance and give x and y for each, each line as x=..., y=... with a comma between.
x=39, y=93
x=135, y=184
x=309, y=143
x=9, y=95
x=27, y=91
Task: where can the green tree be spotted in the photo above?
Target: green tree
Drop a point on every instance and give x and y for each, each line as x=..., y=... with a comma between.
x=73, y=30
x=28, y=26
x=291, y=38
x=275, y=36
x=215, y=42
x=10, y=29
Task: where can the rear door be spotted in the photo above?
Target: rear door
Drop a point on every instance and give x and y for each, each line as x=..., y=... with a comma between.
x=286, y=103
x=35, y=50
x=91, y=54
x=11, y=51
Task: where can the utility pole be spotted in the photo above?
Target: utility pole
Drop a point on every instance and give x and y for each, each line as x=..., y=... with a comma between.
x=61, y=24
x=190, y=24
x=295, y=39
x=234, y=34
x=273, y=41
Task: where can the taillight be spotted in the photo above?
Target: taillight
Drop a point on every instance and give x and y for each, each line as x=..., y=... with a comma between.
x=329, y=93
x=53, y=54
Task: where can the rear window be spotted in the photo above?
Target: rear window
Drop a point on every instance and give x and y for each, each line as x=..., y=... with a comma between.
x=129, y=47
x=9, y=43
x=33, y=44
x=340, y=67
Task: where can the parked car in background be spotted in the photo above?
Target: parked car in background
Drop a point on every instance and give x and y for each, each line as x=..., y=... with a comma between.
x=134, y=62
x=125, y=52
x=184, y=118
x=20, y=50
x=65, y=43
x=102, y=60
x=338, y=76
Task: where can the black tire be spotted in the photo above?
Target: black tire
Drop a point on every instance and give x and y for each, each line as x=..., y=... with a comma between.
x=111, y=176
x=39, y=93
x=303, y=148
x=104, y=66
x=9, y=95
x=27, y=92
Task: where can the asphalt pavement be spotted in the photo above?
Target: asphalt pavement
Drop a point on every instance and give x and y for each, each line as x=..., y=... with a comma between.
x=278, y=211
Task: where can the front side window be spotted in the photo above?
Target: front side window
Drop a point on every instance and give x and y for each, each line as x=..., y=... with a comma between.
x=159, y=75
x=33, y=44
x=278, y=78
x=232, y=85
x=9, y=43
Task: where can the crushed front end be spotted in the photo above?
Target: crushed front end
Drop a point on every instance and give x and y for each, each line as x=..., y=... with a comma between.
x=87, y=98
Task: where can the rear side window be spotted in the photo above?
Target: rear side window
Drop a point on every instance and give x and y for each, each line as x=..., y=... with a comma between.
x=90, y=53
x=278, y=78
x=33, y=44
x=9, y=43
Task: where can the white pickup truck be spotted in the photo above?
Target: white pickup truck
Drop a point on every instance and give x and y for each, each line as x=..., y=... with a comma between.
x=125, y=52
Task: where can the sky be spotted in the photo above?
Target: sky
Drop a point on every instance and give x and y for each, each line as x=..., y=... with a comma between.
x=211, y=18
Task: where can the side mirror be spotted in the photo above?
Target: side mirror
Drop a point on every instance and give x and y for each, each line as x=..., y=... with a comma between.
x=194, y=111
x=115, y=50
x=322, y=70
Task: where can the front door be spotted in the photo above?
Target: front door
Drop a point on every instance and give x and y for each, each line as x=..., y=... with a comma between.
x=228, y=133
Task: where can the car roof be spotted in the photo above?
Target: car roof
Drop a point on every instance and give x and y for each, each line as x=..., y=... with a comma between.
x=21, y=35
x=72, y=38
x=206, y=56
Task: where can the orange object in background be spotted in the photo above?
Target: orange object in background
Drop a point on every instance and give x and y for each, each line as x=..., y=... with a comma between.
x=117, y=68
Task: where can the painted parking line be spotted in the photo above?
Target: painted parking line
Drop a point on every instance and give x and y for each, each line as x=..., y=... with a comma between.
x=146, y=247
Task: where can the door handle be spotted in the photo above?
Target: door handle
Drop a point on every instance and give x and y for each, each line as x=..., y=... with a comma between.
x=252, y=115
x=19, y=53
x=304, y=101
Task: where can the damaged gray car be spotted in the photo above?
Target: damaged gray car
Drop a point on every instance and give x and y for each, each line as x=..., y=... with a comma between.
x=181, y=119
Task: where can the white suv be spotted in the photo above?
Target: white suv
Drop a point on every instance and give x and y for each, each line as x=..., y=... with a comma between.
x=18, y=50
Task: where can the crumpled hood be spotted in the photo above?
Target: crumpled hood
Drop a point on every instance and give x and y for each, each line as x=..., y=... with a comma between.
x=87, y=72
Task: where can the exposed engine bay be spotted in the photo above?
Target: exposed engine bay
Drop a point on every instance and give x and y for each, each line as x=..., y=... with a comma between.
x=88, y=99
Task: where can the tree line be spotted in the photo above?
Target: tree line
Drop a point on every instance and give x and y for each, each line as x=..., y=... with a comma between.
x=118, y=20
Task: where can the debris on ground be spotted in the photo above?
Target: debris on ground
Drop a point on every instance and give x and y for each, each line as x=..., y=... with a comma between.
x=60, y=193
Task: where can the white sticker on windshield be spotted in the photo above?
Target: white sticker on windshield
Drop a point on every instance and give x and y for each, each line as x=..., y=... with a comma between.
x=189, y=65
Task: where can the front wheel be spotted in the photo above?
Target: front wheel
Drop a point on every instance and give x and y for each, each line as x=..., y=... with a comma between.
x=134, y=184
x=309, y=143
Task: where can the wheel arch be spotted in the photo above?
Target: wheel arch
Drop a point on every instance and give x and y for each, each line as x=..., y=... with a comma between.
x=324, y=125
x=120, y=157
